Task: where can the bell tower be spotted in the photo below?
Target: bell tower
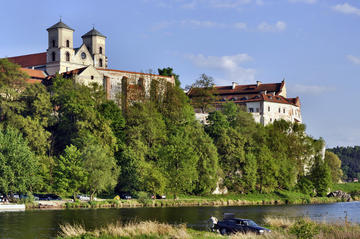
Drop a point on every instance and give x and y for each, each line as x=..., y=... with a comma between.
x=95, y=42
x=60, y=50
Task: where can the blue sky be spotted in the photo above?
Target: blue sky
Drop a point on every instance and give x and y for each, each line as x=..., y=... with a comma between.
x=313, y=44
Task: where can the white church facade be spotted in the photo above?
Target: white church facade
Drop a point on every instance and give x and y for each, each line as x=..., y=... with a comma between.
x=86, y=64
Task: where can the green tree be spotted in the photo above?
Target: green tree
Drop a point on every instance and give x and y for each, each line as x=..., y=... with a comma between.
x=18, y=165
x=101, y=169
x=267, y=170
x=334, y=164
x=203, y=93
x=70, y=174
x=178, y=160
x=320, y=176
x=248, y=178
x=169, y=72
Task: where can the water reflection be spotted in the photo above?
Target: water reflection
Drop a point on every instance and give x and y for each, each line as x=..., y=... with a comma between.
x=45, y=224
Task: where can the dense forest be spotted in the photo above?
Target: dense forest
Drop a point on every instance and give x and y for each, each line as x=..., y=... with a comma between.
x=350, y=160
x=67, y=138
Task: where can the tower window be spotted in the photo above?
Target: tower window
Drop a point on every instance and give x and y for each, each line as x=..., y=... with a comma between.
x=100, y=50
x=67, y=43
x=53, y=43
x=53, y=56
x=67, y=56
x=101, y=62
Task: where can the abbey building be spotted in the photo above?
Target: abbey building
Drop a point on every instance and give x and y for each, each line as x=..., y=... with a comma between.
x=86, y=64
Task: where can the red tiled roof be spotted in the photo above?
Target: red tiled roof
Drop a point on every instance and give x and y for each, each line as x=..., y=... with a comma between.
x=34, y=73
x=37, y=59
x=262, y=97
x=131, y=72
x=245, y=89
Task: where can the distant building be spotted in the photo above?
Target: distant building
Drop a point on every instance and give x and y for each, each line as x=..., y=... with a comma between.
x=86, y=64
x=266, y=102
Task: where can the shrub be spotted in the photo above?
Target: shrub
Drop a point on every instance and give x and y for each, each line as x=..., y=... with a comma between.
x=304, y=229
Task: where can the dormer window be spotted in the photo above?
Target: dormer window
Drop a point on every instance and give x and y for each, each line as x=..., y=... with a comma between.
x=101, y=62
x=67, y=43
x=53, y=55
x=67, y=56
x=100, y=50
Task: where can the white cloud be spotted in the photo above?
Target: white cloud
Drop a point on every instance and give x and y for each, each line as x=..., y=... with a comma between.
x=230, y=66
x=311, y=89
x=346, y=9
x=240, y=25
x=304, y=1
x=267, y=27
x=203, y=24
x=259, y=2
x=353, y=59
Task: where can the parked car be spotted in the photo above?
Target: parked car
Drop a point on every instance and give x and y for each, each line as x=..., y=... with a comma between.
x=125, y=196
x=83, y=197
x=158, y=196
x=46, y=197
x=230, y=225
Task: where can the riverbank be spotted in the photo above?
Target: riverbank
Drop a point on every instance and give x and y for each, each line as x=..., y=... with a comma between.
x=282, y=228
x=276, y=198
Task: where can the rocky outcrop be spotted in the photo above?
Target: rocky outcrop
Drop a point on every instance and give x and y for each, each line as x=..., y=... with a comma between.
x=340, y=194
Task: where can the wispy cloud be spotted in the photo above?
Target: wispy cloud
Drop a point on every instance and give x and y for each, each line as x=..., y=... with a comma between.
x=267, y=27
x=304, y=1
x=311, y=89
x=353, y=59
x=230, y=66
x=346, y=9
x=198, y=24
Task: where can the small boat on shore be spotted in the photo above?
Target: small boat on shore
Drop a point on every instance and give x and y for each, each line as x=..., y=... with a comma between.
x=11, y=207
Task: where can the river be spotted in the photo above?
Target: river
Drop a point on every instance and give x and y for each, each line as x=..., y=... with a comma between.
x=45, y=223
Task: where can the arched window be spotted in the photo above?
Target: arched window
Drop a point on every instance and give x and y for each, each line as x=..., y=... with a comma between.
x=53, y=56
x=67, y=43
x=101, y=62
x=67, y=56
x=100, y=50
x=53, y=43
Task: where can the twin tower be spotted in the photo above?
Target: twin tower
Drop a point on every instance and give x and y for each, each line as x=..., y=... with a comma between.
x=62, y=56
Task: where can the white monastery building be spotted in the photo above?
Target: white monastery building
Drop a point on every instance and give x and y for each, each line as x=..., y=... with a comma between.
x=86, y=64
x=266, y=102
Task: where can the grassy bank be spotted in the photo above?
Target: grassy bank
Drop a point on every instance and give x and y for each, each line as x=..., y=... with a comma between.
x=282, y=228
x=279, y=197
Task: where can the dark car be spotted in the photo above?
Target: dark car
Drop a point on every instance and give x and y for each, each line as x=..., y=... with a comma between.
x=46, y=197
x=230, y=224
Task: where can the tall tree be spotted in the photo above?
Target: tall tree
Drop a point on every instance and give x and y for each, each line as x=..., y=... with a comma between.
x=18, y=165
x=203, y=93
x=334, y=164
x=169, y=72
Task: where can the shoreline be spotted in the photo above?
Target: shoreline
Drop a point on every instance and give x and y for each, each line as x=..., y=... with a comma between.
x=133, y=203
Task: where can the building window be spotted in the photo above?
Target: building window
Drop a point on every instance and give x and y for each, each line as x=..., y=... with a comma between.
x=53, y=43
x=53, y=55
x=101, y=62
x=279, y=110
x=269, y=108
x=67, y=43
x=92, y=77
x=251, y=110
x=284, y=110
x=100, y=50
x=270, y=119
x=257, y=110
x=67, y=56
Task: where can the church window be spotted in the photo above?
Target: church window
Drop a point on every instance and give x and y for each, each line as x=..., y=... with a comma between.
x=53, y=56
x=101, y=62
x=67, y=43
x=53, y=43
x=67, y=56
x=100, y=50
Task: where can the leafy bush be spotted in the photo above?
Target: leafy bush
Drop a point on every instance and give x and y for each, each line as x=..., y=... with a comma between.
x=304, y=229
x=305, y=186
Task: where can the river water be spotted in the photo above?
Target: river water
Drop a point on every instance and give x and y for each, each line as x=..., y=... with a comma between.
x=45, y=223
